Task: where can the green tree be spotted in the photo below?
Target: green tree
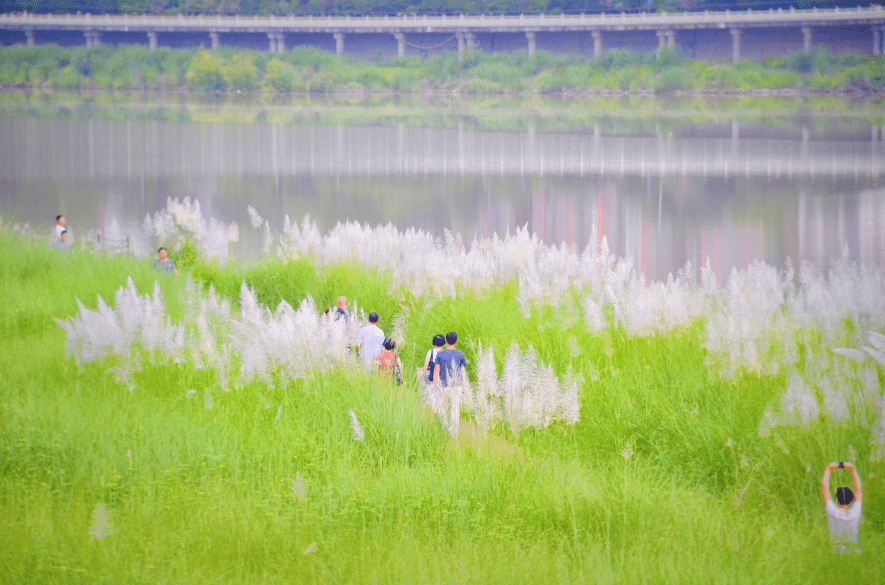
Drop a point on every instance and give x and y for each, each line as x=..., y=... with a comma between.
x=240, y=73
x=206, y=72
x=280, y=76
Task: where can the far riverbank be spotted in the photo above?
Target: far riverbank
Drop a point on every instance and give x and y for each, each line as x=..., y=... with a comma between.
x=311, y=71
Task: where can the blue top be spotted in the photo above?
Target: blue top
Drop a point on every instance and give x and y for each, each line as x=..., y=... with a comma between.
x=450, y=361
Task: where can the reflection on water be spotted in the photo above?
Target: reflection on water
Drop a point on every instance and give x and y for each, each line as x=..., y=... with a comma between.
x=731, y=192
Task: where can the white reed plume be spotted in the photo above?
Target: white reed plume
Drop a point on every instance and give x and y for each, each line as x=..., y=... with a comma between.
x=254, y=218
x=101, y=523
x=183, y=219
x=298, y=487
x=398, y=331
x=136, y=320
x=530, y=394
x=487, y=393
x=358, y=434
x=512, y=385
x=799, y=404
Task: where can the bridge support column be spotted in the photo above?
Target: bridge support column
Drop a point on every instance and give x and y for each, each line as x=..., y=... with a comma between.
x=877, y=41
x=597, y=43
x=806, y=39
x=471, y=40
x=736, y=44
x=400, y=44
x=339, y=43
x=533, y=42
x=277, y=42
x=460, y=37
x=671, y=38
x=93, y=38
x=29, y=34
x=152, y=40
x=213, y=37
x=662, y=41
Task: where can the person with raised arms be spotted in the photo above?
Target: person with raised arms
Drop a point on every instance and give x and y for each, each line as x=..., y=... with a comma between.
x=844, y=518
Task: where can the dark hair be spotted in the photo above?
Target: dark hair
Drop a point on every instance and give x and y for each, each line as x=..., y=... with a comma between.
x=58, y=217
x=63, y=232
x=438, y=340
x=373, y=317
x=389, y=344
x=451, y=338
x=160, y=249
x=844, y=496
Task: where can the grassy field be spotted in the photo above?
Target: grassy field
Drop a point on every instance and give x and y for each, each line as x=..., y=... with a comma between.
x=172, y=477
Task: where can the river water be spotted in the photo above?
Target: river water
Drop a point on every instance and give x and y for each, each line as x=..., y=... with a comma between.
x=662, y=186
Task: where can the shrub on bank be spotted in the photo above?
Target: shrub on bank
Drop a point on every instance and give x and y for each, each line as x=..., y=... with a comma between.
x=313, y=70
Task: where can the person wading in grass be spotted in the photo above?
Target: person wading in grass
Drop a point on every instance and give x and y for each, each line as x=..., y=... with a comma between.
x=369, y=341
x=165, y=263
x=389, y=363
x=342, y=311
x=62, y=242
x=429, y=367
x=450, y=374
x=59, y=228
x=844, y=518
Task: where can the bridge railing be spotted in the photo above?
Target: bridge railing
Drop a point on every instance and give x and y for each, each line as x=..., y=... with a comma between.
x=872, y=14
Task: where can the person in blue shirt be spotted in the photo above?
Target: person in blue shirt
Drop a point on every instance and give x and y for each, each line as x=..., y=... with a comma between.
x=165, y=263
x=450, y=374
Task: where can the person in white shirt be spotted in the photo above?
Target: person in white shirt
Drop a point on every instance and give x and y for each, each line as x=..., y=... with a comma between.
x=844, y=518
x=370, y=340
x=59, y=227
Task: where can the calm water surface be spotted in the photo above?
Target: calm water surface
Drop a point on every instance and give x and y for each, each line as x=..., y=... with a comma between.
x=729, y=190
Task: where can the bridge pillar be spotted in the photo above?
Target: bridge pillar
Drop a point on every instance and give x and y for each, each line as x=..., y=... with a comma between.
x=460, y=37
x=400, y=44
x=471, y=40
x=806, y=39
x=671, y=38
x=597, y=43
x=272, y=40
x=152, y=39
x=533, y=42
x=281, y=42
x=29, y=34
x=736, y=44
x=339, y=43
x=213, y=37
x=877, y=41
x=662, y=40
x=93, y=38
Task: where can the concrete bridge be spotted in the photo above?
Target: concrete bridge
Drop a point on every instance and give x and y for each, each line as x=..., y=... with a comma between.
x=704, y=34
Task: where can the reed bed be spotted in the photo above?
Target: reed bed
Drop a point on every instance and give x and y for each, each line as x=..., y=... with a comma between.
x=144, y=440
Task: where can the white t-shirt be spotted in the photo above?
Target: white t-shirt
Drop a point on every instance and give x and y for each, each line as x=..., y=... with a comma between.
x=844, y=526
x=370, y=339
x=58, y=230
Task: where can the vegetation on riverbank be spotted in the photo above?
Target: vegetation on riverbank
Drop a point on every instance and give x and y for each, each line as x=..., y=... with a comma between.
x=687, y=463
x=310, y=70
x=622, y=115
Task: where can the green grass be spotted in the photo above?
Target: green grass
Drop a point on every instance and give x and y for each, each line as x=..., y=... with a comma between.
x=206, y=495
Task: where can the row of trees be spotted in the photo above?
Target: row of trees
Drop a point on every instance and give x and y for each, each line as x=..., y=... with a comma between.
x=359, y=7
